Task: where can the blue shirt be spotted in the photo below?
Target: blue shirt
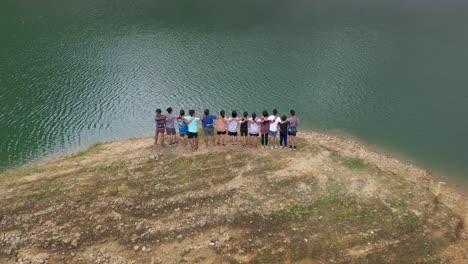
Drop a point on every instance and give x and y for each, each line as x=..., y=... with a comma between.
x=183, y=128
x=193, y=126
x=208, y=121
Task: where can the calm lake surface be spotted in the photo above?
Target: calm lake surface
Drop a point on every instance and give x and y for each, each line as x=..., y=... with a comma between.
x=392, y=73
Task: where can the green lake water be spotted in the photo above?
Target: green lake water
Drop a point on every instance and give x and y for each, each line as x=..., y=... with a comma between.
x=392, y=73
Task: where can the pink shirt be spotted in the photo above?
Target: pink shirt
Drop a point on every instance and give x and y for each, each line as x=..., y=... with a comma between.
x=221, y=124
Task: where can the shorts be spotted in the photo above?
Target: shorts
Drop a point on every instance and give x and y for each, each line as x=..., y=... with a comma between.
x=208, y=131
x=273, y=133
x=292, y=131
x=182, y=134
x=159, y=131
x=170, y=131
x=253, y=135
x=232, y=133
x=243, y=133
x=221, y=132
x=192, y=135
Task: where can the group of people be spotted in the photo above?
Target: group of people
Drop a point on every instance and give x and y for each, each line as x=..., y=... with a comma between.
x=249, y=128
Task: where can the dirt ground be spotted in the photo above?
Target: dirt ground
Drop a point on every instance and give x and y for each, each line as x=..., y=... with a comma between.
x=331, y=201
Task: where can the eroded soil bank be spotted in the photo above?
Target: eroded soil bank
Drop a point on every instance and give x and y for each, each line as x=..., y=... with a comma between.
x=332, y=201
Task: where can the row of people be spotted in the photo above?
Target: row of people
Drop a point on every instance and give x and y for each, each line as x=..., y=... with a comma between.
x=249, y=128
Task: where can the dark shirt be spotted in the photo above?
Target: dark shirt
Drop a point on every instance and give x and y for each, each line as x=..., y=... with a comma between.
x=244, y=125
x=284, y=127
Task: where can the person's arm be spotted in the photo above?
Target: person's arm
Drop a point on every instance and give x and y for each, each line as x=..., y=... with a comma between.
x=188, y=121
x=168, y=117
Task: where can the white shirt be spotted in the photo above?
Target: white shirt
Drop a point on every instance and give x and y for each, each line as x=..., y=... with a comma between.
x=232, y=125
x=274, y=124
x=254, y=127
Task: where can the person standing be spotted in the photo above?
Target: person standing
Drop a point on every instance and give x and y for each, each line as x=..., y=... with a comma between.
x=254, y=130
x=233, y=121
x=192, y=133
x=183, y=128
x=221, y=122
x=283, y=126
x=170, y=126
x=274, y=120
x=292, y=131
x=208, y=127
x=264, y=129
x=160, y=126
x=244, y=123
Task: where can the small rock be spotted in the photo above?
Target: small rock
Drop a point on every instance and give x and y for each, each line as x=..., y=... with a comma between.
x=202, y=223
x=212, y=244
x=74, y=243
x=214, y=239
x=139, y=227
x=180, y=236
x=143, y=249
x=136, y=248
x=222, y=231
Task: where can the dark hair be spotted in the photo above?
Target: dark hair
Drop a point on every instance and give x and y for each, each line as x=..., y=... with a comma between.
x=158, y=111
x=254, y=115
x=234, y=113
x=275, y=112
x=169, y=110
x=191, y=112
x=245, y=114
x=284, y=117
x=292, y=112
x=207, y=112
x=265, y=113
x=222, y=113
x=182, y=112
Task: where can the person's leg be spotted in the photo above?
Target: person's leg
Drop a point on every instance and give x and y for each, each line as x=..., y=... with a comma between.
x=156, y=138
x=212, y=139
x=162, y=139
x=266, y=140
x=196, y=141
x=281, y=139
x=286, y=140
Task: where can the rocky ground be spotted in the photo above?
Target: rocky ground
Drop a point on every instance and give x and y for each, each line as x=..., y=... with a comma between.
x=332, y=201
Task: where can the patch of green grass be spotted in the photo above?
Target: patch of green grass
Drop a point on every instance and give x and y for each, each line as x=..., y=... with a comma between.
x=397, y=204
x=265, y=256
x=409, y=217
x=112, y=168
x=354, y=164
x=181, y=162
x=326, y=200
x=41, y=193
x=298, y=212
x=86, y=152
x=20, y=173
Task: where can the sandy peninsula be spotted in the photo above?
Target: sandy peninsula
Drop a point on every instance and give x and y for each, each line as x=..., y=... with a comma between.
x=332, y=201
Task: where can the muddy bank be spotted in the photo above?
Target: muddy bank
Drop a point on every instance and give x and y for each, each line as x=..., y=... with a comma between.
x=332, y=201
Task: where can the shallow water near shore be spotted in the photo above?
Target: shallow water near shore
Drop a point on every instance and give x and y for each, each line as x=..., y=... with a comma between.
x=391, y=74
